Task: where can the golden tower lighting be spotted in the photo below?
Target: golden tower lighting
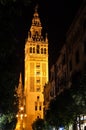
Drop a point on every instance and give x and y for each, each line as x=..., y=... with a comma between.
x=36, y=71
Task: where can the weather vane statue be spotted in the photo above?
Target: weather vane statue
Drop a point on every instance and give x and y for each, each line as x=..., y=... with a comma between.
x=36, y=8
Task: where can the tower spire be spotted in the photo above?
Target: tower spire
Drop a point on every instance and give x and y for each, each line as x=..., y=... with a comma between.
x=20, y=78
x=46, y=38
x=36, y=8
x=36, y=28
x=20, y=90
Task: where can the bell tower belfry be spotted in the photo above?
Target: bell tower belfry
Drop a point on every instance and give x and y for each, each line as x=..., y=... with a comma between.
x=36, y=70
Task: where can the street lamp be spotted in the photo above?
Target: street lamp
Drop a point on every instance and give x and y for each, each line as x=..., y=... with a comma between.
x=21, y=115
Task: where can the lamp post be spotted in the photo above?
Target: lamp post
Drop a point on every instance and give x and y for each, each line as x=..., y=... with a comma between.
x=21, y=115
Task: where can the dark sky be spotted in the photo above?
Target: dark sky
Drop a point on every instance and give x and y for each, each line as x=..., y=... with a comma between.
x=56, y=17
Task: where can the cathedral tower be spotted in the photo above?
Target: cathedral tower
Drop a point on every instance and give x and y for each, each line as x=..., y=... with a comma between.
x=36, y=70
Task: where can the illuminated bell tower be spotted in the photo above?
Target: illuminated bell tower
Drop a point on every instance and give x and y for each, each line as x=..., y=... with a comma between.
x=36, y=70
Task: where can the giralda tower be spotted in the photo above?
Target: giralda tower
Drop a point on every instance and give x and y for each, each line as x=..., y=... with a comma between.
x=36, y=71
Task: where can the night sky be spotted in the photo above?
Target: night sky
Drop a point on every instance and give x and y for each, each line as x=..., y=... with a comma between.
x=56, y=17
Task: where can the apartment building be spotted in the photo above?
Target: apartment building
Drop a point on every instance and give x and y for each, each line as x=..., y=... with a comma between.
x=71, y=62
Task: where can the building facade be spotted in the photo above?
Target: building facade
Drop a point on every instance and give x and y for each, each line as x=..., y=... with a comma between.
x=36, y=71
x=71, y=62
x=76, y=46
x=61, y=71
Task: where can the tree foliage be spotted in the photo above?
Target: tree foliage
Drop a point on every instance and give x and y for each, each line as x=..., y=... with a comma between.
x=68, y=105
x=11, y=12
x=7, y=121
x=38, y=124
x=60, y=110
x=78, y=92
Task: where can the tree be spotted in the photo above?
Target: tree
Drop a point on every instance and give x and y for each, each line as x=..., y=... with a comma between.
x=60, y=110
x=11, y=11
x=78, y=92
x=69, y=105
x=38, y=124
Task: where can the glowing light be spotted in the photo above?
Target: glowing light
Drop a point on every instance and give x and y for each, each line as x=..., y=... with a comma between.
x=25, y=115
x=21, y=108
x=21, y=116
x=17, y=115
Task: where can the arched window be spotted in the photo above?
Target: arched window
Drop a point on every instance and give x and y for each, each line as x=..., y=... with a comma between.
x=33, y=49
x=41, y=50
x=35, y=106
x=44, y=50
x=37, y=49
x=30, y=49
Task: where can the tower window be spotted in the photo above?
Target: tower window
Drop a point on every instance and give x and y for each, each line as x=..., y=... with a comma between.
x=38, y=80
x=35, y=106
x=40, y=106
x=38, y=117
x=41, y=50
x=37, y=97
x=38, y=72
x=38, y=66
x=30, y=49
x=38, y=88
x=37, y=49
x=36, y=33
x=44, y=50
x=33, y=49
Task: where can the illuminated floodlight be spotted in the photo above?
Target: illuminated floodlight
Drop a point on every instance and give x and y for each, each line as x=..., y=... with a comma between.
x=21, y=108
